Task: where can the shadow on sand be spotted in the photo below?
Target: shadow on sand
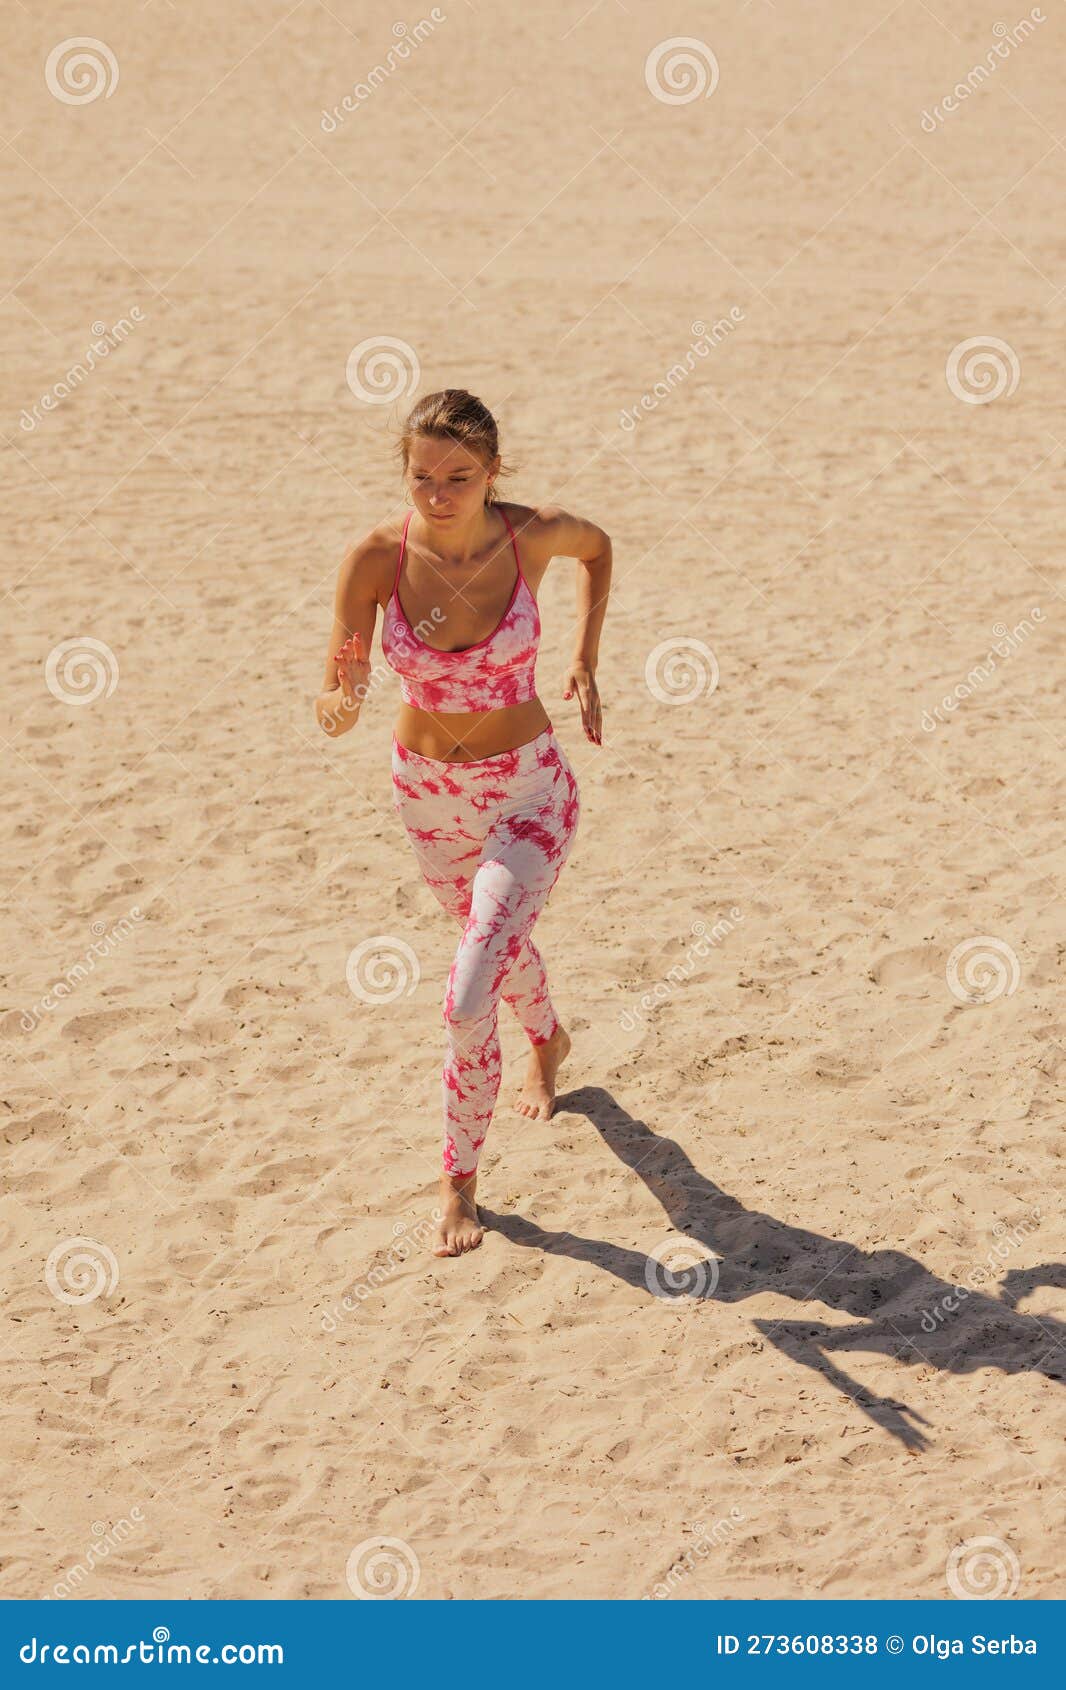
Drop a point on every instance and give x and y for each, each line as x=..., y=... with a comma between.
x=887, y=1291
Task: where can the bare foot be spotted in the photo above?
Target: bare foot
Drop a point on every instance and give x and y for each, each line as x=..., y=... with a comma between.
x=536, y=1097
x=458, y=1228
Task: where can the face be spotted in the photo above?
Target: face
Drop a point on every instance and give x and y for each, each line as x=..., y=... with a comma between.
x=447, y=481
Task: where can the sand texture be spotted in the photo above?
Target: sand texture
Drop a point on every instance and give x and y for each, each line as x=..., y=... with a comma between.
x=773, y=1305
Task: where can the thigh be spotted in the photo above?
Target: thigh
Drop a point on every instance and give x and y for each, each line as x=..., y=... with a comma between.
x=524, y=851
x=534, y=829
x=445, y=831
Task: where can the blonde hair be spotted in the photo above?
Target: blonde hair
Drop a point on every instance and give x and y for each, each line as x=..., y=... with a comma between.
x=453, y=414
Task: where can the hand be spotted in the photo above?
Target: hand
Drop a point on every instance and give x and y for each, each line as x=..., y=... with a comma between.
x=581, y=677
x=353, y=670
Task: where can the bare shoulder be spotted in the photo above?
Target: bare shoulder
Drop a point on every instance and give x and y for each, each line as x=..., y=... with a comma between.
x=368, y=566
x=548, y=531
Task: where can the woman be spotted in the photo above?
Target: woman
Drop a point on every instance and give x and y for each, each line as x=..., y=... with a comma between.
x=480, y=782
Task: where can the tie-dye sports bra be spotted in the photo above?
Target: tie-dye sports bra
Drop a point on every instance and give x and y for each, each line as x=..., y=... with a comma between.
x=498, y=670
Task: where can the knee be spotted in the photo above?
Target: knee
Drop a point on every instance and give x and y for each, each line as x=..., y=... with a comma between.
x=468, y=1009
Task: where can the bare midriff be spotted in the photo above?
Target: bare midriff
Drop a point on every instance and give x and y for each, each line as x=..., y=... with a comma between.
x=463, y=737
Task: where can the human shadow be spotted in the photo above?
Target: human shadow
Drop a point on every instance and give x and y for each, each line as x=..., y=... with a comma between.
x=901, y=1308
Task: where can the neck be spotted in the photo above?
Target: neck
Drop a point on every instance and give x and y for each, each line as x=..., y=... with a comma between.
x=457, y=545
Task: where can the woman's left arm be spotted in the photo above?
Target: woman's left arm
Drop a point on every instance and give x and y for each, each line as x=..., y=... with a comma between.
x=573, y=536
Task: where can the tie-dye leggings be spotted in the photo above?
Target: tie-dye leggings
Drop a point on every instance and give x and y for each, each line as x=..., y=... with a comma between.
x=490, y=837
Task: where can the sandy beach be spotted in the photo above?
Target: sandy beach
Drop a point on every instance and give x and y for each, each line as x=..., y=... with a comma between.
x=773, y=1305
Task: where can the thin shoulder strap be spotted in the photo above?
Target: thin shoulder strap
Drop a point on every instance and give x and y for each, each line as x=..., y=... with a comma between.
x=514, y=543
x=403, y=548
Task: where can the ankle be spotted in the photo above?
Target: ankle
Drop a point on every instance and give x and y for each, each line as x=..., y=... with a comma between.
x=553, y=1038
x=458, y=1185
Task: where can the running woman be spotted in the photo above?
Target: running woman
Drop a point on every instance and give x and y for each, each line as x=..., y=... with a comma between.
x=480, y=782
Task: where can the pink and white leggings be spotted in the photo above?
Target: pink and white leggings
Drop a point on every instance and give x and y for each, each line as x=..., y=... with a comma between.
x=490, y=837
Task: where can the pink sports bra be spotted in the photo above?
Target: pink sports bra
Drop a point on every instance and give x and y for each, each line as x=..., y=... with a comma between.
x=497, y=670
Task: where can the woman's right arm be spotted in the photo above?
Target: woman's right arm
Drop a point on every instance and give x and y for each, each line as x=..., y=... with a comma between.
x=355, y=606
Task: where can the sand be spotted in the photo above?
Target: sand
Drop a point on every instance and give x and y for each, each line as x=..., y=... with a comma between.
x=722, y=327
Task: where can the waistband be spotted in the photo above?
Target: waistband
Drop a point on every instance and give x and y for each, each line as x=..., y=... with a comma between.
x=516, y=761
